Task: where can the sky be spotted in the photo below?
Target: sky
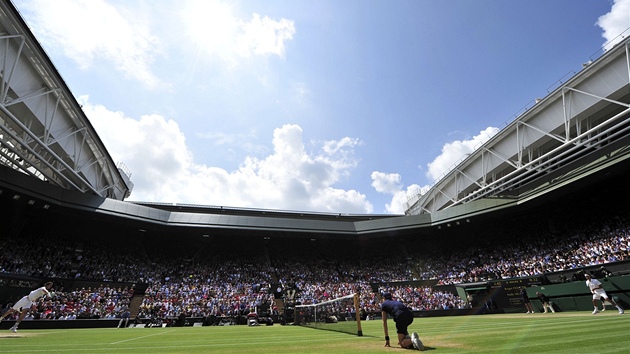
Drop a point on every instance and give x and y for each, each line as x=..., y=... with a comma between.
x=326, y=106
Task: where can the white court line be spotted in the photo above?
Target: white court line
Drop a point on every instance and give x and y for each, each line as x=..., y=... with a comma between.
x=147, y=336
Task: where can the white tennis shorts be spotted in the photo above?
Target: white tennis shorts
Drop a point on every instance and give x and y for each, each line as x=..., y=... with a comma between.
x=23, y=303
x=599, y=293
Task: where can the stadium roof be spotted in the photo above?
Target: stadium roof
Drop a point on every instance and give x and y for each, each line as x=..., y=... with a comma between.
x=44, y=132
x=582, y=124
x=577, y=136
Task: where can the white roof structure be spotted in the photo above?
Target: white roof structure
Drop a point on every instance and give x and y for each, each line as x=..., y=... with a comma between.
x=43, y=130
x=579, y=130
x=586, y=118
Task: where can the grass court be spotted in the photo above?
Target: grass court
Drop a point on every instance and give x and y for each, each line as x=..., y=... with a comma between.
x=570, y=332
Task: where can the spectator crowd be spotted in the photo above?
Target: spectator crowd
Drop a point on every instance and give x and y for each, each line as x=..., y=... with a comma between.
x=233, y=277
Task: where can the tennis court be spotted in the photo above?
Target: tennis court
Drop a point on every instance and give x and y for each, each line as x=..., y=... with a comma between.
x=571, y=332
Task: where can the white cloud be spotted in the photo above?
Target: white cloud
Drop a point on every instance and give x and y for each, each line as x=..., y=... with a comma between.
x=340, y=153
x=454, y=151
x=163, y=168
x=390, y=183
x=216, y=30
x=92, y=30
x=386, y=183
x=263, y=36
x=399, y=199
x=451, y=153
x=615, y=23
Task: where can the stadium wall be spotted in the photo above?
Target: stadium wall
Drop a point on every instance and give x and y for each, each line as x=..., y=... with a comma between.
x=575, y=296
x=503, y=296
x=61, y=324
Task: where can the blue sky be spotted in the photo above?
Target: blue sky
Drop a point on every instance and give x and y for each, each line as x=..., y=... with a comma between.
x=328, y=106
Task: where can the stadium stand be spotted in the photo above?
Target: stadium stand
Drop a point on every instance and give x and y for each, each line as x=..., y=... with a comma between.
x=223, y=278
x=171, y=264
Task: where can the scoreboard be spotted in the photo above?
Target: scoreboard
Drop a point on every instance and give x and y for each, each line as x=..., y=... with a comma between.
x=507, y=293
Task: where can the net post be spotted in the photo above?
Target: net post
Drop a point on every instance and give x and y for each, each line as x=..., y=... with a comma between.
x=358, y=314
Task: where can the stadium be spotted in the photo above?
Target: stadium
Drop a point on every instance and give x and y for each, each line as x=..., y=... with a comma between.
x=537, y=207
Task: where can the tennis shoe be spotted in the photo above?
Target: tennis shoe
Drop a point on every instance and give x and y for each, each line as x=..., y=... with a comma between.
x=417, y=343
x=621, y=311
x=13, y=329
x=595, y=311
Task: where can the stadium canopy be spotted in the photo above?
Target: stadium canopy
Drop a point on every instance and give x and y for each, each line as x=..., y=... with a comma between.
x=579, y=128
x=43, y=130
x=52, y=160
